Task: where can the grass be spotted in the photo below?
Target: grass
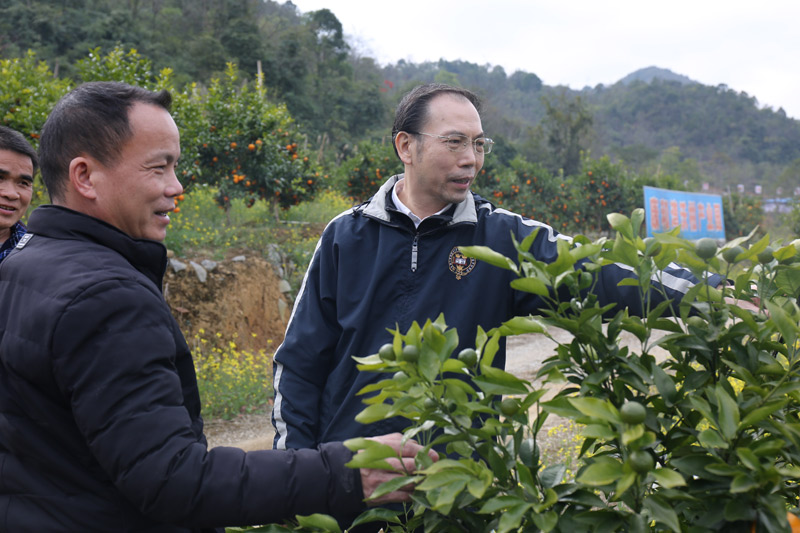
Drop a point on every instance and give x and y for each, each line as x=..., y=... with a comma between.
x=231, y=381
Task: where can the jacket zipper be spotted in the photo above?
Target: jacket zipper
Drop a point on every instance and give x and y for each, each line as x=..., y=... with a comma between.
x=414, y=249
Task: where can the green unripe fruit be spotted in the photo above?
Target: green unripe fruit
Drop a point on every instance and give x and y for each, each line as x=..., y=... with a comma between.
x=651, y=247
x=386, y=353
x=410, y=353
x=641, y=462
x=730, y=254
x=468, y=356
x=399, y=376
x=765, y=256
x=697, y=322
x=509, y=406
x=429, y=403
x=529, y=453
x=633, y=412
x=585, y=280
x=705, y=248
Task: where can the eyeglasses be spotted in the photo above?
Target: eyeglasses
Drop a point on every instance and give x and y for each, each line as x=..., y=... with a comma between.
x=459, y=143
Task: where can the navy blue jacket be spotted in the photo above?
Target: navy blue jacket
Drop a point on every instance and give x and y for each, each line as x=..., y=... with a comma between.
x=373, y=271
x=100, y=426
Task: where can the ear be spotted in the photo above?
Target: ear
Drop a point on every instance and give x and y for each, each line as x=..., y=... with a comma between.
x=402, y=142
x=80, y=177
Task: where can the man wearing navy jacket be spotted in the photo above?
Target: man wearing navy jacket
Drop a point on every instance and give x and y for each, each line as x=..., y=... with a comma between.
x=100, y=426
x=395, y=260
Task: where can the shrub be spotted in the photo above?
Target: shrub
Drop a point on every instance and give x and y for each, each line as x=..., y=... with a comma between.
x=717, y=447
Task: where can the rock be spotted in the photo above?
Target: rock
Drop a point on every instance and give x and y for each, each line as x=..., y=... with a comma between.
x=176, y=265
x=282, y=309
x=208, y=264
x=202, y=273
x=274, y=255
x=284, y=286
x=238, y=259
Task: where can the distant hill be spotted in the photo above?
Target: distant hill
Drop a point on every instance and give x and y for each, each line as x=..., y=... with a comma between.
x=655, y=120
x=649, y=74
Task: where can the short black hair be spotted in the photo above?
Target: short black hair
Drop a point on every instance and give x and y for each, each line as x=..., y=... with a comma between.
x=92, y=120
x=14, y=141
x=412, y=111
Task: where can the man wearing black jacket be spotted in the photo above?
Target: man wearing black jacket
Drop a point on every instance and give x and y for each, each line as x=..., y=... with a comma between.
x=100, y=426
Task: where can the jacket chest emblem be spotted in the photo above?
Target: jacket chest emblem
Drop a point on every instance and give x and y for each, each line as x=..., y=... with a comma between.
x=460, y=265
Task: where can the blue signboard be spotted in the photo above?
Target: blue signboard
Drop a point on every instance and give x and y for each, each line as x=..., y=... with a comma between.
x=697, y=214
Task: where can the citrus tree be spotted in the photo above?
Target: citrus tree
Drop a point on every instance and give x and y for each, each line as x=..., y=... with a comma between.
x=237, y=140
x=28, y=91
x=704, y=439
x=361, y=174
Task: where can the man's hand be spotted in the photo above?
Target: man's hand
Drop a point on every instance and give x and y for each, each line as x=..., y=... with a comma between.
x=372, y=478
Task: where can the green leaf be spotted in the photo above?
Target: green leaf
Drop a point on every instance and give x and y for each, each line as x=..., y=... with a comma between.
x=489, y=350
x=625, y=482
x=374, y=413
x=710, y=438
x=598, y=431
x=440, y=479
x=665, y=385
x=487, y=255
x=552, y=475
x=378, y=514
x=668, y=478
x=511, y=519
x=597, y=408
x=498, y=382
x=520, y=325
x=545, y=521
x=371, y=454
x=477, y=486
x=757, y=415
x=499, y=503
x=602, y=472
x=742, y=483
x=442, y=499
x=785, y=325
x=662, y=512
x=531, y=285
x=621, y=223
x=319, y=521
x=564, y=262
x=632, y=433
x=393, y=484
x=728, y=415
x=748, y=459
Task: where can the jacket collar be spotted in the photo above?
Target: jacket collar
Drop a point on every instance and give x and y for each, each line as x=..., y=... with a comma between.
x=146, y=256
x=376, y=207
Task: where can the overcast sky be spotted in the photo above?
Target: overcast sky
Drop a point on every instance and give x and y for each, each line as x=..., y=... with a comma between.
x=749, y=46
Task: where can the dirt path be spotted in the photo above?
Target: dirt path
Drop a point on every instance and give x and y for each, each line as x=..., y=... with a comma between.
x=525, y=354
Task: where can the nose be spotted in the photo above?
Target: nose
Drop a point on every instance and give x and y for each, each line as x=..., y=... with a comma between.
x=469, y=157
x=174, y=187
x=7, y=190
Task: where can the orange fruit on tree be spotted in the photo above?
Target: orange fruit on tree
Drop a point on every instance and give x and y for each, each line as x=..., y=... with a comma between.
x=794, y=522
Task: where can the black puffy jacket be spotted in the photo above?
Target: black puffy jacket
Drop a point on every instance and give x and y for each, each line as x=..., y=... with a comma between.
x=100, y=426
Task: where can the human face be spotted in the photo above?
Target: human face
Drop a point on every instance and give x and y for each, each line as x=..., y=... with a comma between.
x=136, y=194
x=436, y=176
x=16, y=187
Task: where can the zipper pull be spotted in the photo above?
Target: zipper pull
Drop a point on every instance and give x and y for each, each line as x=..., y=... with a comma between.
x=414, y=249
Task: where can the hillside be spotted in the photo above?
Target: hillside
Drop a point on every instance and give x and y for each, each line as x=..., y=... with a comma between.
x=657, y=121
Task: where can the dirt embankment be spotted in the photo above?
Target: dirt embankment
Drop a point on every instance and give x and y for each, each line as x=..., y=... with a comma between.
x=241, y=298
